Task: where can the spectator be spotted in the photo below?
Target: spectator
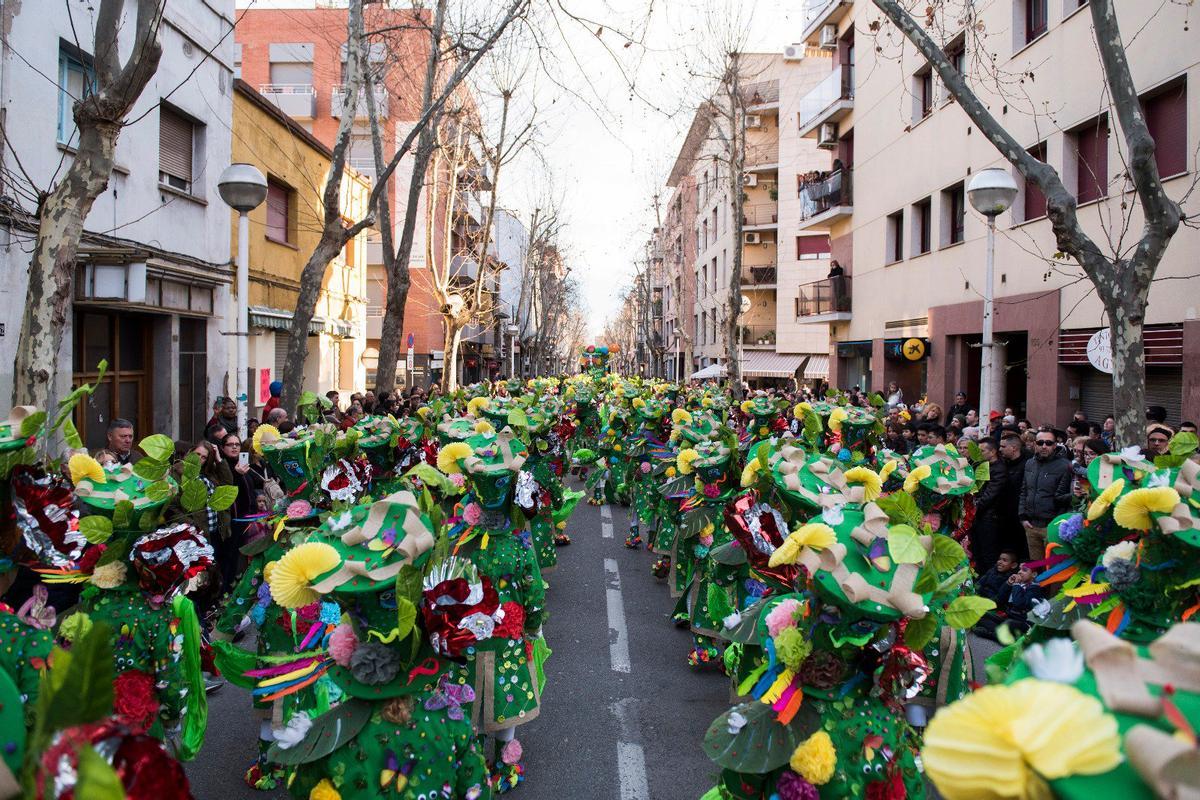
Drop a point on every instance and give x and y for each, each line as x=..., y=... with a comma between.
x=895, y=396
x=1080, y=417
x=1029, y=438
x=1158, y=437
x=275, y=389
x=1092, y=449
x=1108, y=431
x=894, y=439
x=104, y=457
x=995, y=584
x=960, y=404
x=1045, y=492
x=932, y=412
x=215, y=433
x=249, y=483
x=971, y=420
x=935, y=435
x=1156, y=414
x=992, y=508
x=119, y=439
x=1024, y=425
x=1023, y=594
x=1187, y=427
x=368, y=402
x=334, y=413
x=1014, y=454
x=1076, y=430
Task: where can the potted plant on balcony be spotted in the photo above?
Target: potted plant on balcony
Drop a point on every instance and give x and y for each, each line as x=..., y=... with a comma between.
x=774, y=193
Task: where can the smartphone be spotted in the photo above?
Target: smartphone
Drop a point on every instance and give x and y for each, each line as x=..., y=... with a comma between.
x=243, y=459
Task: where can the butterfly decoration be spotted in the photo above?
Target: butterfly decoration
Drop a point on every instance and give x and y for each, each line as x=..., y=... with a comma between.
x=450, y=696
x=35, y=612
x=394, y=775
x=877, y=554
x=385, y=540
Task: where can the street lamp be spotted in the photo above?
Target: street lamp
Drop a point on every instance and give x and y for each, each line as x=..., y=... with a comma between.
x=512, y=331
x=243, y=188
x=991, y=191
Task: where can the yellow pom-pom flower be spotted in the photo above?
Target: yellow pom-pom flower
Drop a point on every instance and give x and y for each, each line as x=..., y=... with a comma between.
x=1133, y=510
x=680, y=416
x=870, y=481
x=1105, y=499
x=291, y=579
x=815, y=759
x=483, y=426
x=750, y=473
x=83, y=466
x=815, y=535
x=451, y=454
x=670, y=472
x=683, y=461
x=836, y=418
x=476, y=405
x=801, y=410
x=424, y=411
x=1007, y=740
x=746, y=406
x=639, y=402
x=324, y=791
x=913, y=481
x=264, y=434
x=887, y=469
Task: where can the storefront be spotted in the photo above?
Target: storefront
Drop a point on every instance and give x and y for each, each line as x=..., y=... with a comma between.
x=1092, y=387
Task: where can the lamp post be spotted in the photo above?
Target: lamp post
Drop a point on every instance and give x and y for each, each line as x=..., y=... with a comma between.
x=243, y=188
x=991, y=191
x=512, y=331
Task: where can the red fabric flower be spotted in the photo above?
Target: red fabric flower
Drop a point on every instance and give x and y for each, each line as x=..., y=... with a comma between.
x=135, y=701
x=513, y=624
x=891, y=788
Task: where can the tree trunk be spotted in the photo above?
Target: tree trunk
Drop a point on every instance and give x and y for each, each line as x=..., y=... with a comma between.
x=451, y=339
x=737, y=164
x=311, y=279
x=1125, y=318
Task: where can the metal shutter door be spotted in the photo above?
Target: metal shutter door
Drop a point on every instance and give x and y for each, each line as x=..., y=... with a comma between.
x=174, y=144
x=1095, y=395
x=1164, y=387
x=281, y=347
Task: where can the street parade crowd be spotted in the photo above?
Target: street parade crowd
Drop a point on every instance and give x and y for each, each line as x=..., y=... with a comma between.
x=375, y=581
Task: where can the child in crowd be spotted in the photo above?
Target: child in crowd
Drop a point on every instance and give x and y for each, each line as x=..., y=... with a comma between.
x=996, y=583
x=1014, y=592
x=1023, y=594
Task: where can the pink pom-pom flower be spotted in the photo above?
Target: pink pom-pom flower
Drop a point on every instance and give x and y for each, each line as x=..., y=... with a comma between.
x=781, y=616
x=473, y=513
x=342, y=643
x=512, y=752
x=299, y=509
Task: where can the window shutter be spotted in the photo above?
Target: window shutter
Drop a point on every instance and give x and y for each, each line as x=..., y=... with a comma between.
x=812, y=246
x=1091, y=180
x=1166, y=116
x=174, y=144
x=1035, y=201
x=277, y=211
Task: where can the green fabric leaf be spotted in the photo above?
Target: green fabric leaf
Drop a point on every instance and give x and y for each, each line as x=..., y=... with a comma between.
x=974, y=453
x=159, y=491
x=1183, y=443
x=719, y=604
x=904, y=545
x=71, y=435
x=919, y=632
x=330, y=731
x=431, y=476
x=408, y=584
x=759, y=745
x=926, y=581
x=195, y=495
x=731, y=554
x=983, y=473
x=158, y=447
x=234, y=663
x=82, y=690
x=952, y=583
x=191, y=467
x=406, y=615
x=964, y=612
x=947, y=554
x=222, y=497
x=96, y=528
x=517, y=418
x=32, y=424
x=149, y=469
x=901, y=509
x=122, y=513
x=97, y=780
x=585, y=456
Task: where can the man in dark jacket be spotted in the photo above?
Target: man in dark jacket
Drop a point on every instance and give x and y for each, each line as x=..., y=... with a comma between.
x=989, y=534
x=1014, y=455
x=1045, y=492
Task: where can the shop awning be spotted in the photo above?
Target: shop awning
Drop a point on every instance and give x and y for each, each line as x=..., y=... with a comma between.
x=279, y=320
x=765, y=364
x=711, y=371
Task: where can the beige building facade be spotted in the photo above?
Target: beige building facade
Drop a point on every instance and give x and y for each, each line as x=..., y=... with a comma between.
x=912, y=248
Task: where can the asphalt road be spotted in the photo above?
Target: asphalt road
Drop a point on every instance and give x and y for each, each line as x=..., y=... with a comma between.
x=622, y=716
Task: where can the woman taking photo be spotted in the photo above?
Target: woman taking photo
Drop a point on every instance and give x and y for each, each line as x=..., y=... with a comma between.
x=249, y=483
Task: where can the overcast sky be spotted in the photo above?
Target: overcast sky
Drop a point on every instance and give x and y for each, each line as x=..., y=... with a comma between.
x=603, y=148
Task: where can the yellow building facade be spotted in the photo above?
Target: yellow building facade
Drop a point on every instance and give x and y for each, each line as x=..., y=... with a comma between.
x=284, y=231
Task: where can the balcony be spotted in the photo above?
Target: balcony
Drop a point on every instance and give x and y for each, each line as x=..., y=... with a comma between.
x=337, y=99
x=363, y=166
x=826, y=199
x=759, y=276
x=828, y=101
x=761, y=96
x=758, y=336
x=818, y=13
x=762, y=157
x=826, y=300
x=760, y=215
x=297, y=100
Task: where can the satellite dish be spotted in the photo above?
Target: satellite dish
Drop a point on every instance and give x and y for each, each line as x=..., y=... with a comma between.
x=745, y=304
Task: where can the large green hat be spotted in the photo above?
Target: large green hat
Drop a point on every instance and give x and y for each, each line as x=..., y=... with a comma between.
x=948, y=473
x=694, y=426
x=490, y=462
x=378, y=440
x=1128, y=466
x=123, y=483
x=456, y=429
x=296, y=459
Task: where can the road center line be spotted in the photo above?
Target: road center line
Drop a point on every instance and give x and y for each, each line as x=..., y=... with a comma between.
x=606, y=530
x=606, y=512
x=618, y=634
x=631, y=758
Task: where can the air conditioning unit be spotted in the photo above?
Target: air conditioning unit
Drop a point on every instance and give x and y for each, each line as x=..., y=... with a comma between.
x=829, y=37
x=749, y=179
x=827, y=135
x=793, y=52
x=752, y=238
x=754, y=121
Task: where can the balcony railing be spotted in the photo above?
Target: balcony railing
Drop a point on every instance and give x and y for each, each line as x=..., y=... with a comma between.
x=337, y=99
x=297, y=100
x=365, y=166
x=760, y=214
x=837, y=86
x=759, y=275
x=761, y=93
x=765, y=153
x=758, y=335
x=826, y=296
x=831, y=190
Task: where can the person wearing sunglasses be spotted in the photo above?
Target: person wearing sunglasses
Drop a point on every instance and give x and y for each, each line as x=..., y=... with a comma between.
x=1045, y=492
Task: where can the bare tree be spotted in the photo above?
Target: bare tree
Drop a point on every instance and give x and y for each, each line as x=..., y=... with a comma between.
x=1122, y=276
x=99, y=115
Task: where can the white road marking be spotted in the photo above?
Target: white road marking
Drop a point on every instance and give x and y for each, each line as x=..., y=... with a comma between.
x=606, y=512
x=631, y=758
x=606, y=530
x=618, y=634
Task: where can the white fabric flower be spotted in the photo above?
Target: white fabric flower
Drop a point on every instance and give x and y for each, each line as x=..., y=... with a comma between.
x=1121, y=551
x=732, y=621
x=1132, y=455
x=295, y=731
x=1057, y=660
x=1042, y=609
x=1158, y=478
x=736, y=723
x=833, y=516
x=340, y=521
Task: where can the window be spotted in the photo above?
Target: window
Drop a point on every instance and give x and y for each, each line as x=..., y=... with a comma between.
x=76, y=78
x=704, y=227
x=956, y=54
x=696, y=326
x=1036, y=19
x=176, y=142
x=1091, y=160
x=809, y=248
x=279, y=212
x=1035, y=201
x=954, y=214
x=704, y=277
x=922, y=226
x=895, y=238
x=713, y=274
x=1166, y=116
x=923, y=93
x=703, y=327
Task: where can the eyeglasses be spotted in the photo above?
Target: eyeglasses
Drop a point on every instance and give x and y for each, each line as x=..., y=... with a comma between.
x=1044, y=442
x=1158, y=440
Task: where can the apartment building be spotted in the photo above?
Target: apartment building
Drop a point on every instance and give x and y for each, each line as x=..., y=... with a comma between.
x=284, y=231
x=677, y=244
x=296, y=59
x=153, y=273
x=777, y=259
x=914, y=250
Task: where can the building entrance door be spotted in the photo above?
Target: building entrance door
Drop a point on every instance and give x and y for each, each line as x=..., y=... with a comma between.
x=124, y=341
